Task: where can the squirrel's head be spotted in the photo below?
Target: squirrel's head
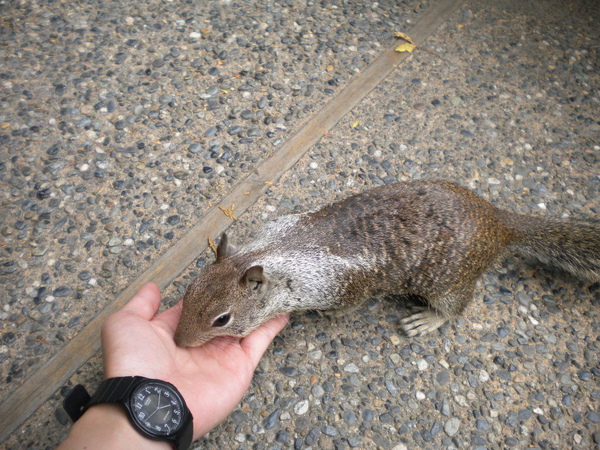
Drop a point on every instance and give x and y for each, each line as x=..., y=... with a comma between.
x=227, y=299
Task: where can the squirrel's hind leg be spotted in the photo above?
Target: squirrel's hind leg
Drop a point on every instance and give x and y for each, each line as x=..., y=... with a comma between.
x=424, y=320
x=440, y=309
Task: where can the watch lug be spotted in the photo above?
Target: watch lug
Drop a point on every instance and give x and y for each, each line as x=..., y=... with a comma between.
x=75, y=402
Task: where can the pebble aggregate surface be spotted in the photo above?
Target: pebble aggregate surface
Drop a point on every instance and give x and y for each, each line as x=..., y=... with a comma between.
x=122, y=123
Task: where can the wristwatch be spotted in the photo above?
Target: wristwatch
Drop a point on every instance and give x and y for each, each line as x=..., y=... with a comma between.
x=155, y=408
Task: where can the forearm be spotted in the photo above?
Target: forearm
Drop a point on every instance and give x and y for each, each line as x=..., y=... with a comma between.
x=107, y=426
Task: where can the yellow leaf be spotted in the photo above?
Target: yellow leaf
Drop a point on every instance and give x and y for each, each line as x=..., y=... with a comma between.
x=228, y=212
x=405, y=37
x=212, y=245
x=406, y=48
x=355, y=124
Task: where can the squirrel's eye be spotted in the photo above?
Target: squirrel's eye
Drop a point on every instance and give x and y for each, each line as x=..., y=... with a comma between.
x=222, y=320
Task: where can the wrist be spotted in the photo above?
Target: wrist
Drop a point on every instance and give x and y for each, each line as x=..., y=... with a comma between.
x=108, y=426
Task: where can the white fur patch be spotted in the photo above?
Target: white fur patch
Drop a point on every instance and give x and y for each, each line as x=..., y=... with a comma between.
x=314, y=275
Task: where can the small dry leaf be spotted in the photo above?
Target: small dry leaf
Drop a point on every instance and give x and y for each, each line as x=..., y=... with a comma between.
x=228, y=212
x=355, y=124
x=406, y=48
x=405, y=37
x=212, y=245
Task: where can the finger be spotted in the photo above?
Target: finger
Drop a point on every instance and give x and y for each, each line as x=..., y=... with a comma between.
x=257, y=342
x=145, y=302
x=170, y=318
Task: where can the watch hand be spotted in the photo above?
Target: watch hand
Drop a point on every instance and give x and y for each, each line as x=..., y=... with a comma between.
x=153, y=412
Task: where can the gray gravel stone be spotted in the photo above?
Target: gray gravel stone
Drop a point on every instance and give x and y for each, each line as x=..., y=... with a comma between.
x=272, y=419
x=330, y=431
x=452, y=426
x=351, y=368
x=62, y=291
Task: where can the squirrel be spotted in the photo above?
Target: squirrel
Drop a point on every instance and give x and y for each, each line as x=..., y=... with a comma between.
x=432, y=239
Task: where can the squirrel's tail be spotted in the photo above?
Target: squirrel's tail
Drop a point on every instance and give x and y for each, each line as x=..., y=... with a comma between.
x=571, y=244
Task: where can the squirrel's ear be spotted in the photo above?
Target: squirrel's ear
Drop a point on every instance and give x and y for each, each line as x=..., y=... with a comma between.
x=224, y=249
x=254, y=278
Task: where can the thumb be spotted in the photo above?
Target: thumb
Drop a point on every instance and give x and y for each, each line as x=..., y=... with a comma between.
x=144, y=303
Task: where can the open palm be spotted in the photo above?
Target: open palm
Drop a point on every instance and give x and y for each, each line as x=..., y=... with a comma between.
x=212, y=378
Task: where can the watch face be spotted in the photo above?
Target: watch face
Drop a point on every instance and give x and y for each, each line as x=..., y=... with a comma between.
x=157, y=408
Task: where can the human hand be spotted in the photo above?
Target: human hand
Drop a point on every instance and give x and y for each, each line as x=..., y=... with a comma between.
x=212, y=378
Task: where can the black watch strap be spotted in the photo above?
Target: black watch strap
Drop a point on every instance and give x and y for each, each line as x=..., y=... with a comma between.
x=114, y=390
x=75, y=402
